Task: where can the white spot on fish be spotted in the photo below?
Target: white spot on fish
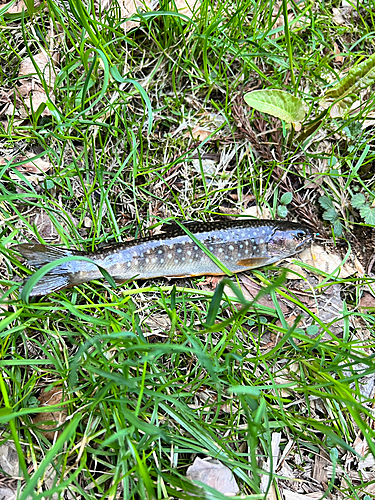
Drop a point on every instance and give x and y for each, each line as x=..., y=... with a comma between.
x=183, y=258
x=162, y=260
x=195, y=248
x=231, y=247
x=147, y=260
x=179, y=250
x=227, y=256
x=160, y=252
x=188, y=252
x=261, y=241
x=239, y=255
x=211, y=248
x=153, y=260
x=190, y=260
x=196, y=255
x=202, y=259
x=263, y=232
x=171, y=246
x=231, y=258
x=129, y=264
x=241, y=246
x=176, y=261
x=220, y=250
x=169, y=256
x=246, y=251
x=246, y=242
x=228, y=237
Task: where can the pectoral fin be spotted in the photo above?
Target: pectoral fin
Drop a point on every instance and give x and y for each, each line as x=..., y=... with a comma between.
x=253, y=262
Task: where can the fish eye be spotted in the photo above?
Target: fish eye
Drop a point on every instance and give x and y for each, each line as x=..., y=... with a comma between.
x=300, y=235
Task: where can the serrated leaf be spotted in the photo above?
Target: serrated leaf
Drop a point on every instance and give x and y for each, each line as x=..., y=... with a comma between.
x=325, y=202
x=277, y=103
x=337, y=228
x=282, y=211
x=346, y=91
x=358, y=200
x=368, y=214
x=330, y=215
x=286, y=198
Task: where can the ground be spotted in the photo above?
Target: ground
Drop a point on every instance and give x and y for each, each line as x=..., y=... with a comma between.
x=116, y=118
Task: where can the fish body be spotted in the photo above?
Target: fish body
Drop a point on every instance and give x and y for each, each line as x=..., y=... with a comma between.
x=240, y=245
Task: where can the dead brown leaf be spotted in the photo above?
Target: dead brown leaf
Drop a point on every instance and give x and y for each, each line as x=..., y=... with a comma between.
x=338, y=58
x=367, y=301
x=316, y=256
x=293, y=495
x=31, y=89
x=209, y=283
x=54, y=396
x=214, y=474
x=198, y=133
x=20, y=6
x=278, y=18
x=131, y=7
x=187, y=7
x=337, y=16
x=33, y=170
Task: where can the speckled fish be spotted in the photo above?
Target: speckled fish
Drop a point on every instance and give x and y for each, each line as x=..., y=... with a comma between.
x=238, y=244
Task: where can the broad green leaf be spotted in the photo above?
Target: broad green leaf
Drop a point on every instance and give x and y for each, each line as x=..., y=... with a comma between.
x=277, y=103
x=286, y=198
x=337, y=228
x=330, y=215
x=358, y=200
x=368, y=214
x=325, y=202
x=282, y=211
x=347, y=90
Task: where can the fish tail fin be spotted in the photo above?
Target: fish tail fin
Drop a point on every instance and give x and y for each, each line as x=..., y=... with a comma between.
x=58, y=278
x=37, y=255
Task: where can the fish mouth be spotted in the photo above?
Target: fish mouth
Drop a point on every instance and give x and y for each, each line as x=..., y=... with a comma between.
x=305, y=242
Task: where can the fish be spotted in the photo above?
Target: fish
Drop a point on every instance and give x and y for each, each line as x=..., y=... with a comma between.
x=238, y=244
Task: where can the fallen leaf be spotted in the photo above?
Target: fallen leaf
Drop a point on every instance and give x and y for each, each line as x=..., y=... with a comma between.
x=209, y=283
x=20, y=6
x=317, y=257
x=337, y=16
x=214, y=474
x=9, y=459
x=8, y=494
x=187, y=7
x=41, y=62
x=257, y=212
x=33, y=170
x=275, y=447
x=31, y=88
x=199, y=133
x=366, y=301
x=127, y=9
x=292, y=495
x=49, y=398
x=338, y=58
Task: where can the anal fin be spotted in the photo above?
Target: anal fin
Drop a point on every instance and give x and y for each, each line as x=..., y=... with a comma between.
x=253, y=262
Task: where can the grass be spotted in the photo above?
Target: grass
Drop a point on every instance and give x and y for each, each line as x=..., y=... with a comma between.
x=156, y=373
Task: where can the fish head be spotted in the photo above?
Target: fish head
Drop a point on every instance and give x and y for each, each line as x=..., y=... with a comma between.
x=285, y=242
